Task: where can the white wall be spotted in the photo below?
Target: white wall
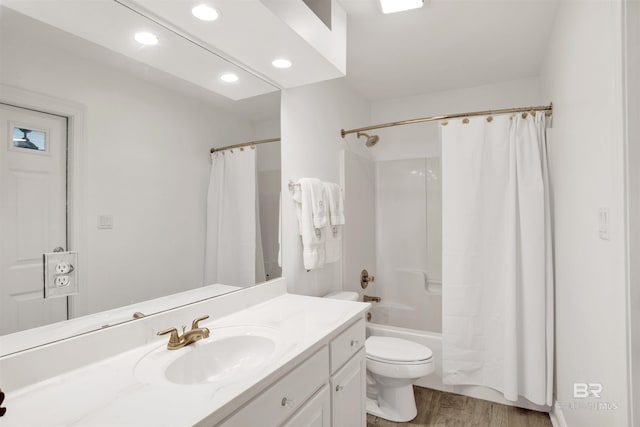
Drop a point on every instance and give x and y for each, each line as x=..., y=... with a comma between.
x=633, y=181
x=583, y=77
x=312, y=117
x=147, y=165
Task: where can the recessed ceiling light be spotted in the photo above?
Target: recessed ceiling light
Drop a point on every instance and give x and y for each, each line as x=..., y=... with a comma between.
x=392, y=6
x=281, y=63
x=144, y=37
x=229, y=78
x=205, y=12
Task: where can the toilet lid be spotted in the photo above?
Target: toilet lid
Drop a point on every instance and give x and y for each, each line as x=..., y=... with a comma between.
x=396, y=349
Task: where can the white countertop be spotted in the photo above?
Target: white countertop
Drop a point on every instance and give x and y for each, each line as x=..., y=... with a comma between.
x=107, y=393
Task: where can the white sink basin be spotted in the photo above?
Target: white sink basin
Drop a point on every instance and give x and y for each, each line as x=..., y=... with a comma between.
x=229, y=354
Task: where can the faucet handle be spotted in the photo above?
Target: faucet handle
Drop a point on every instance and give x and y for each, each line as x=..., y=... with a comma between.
x=194, y=325
x=173, y=339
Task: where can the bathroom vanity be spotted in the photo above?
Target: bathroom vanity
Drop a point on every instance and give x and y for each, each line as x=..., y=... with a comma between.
x=272, y=359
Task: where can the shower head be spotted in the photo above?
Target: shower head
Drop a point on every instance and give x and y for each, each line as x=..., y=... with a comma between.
x=371, y=139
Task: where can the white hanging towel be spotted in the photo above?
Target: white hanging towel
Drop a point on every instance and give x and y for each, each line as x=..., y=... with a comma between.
x=333, y=230
x=313, y=239
x=336, y=203
x=333, y=244
x=319, y=201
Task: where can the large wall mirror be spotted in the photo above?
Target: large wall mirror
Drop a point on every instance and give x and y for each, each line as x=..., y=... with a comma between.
x=131, y=188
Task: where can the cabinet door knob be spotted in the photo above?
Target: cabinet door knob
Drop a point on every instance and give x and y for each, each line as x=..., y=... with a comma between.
x=286, y=402
x=339, y=388
x=355, y=343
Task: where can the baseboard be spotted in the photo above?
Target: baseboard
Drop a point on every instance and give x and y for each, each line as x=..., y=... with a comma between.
x=557, y=416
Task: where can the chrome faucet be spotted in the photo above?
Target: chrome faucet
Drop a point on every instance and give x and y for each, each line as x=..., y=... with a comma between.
x=189, y=337
x=367, y=298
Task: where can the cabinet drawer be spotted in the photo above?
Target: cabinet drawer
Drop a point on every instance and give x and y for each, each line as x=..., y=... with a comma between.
x=282, y=399
x=347, y=344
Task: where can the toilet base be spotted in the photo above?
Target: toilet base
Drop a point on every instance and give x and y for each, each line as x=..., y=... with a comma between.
x=397, y=404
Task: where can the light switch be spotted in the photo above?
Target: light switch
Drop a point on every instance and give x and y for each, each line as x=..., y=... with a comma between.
x=603, y=223
x=105, y=222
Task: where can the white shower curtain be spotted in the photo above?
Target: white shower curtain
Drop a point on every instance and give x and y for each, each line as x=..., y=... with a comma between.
x=230, y=253
x=496, y=249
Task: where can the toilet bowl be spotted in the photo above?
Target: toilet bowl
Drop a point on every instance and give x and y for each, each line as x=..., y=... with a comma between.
x=393, y=365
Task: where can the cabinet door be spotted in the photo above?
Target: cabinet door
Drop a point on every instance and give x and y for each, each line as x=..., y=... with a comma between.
x=348, y=393
x=314, y=413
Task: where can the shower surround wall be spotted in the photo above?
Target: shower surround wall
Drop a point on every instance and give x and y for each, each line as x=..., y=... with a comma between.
x=409, y=244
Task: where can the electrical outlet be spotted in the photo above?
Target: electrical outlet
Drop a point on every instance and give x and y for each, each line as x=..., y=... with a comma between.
x=62, y=281
x=60, y=274
x=64, y=268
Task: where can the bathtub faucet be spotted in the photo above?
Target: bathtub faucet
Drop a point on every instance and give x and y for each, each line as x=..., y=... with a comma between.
x=367, y=298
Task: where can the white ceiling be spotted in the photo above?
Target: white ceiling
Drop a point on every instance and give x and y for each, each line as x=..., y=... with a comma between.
x=446, y=44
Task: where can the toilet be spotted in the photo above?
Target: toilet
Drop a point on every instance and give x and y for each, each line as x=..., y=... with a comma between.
x=393, y=365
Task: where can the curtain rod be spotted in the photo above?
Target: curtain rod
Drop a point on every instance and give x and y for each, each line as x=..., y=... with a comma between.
x=547, y=108
x=245, y=144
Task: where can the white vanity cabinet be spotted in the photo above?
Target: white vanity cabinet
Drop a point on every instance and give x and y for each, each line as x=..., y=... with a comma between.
x=327, y=389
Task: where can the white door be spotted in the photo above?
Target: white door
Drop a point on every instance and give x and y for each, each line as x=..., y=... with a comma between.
x=33, y=159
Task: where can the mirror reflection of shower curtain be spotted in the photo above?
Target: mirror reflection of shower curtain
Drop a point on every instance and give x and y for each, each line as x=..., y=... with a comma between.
x=261, y=274
x=230, y=251
x=497, y=267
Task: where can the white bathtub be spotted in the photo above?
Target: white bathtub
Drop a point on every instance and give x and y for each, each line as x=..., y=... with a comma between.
x=434, y=380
